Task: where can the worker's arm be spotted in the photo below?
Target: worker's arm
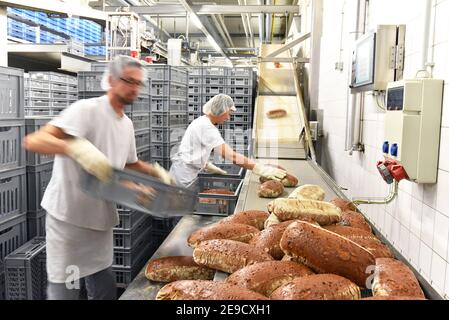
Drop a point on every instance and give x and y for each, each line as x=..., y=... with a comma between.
x=154, y=170
x=48, y=140
x=229, y=154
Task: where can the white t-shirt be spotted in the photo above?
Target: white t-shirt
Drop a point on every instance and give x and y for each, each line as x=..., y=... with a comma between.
x=95, y=120
x=200, y=139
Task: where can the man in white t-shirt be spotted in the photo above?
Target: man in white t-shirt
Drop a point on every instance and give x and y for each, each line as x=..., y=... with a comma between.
x=202, y=136
x=93, y=135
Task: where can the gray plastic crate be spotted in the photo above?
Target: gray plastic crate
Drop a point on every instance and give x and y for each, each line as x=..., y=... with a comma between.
x=195, y=108
x=38, y=178
x=11, y=93
x=13, y=233
x=25, y=272
x=50, y=76
x=168, y=104
x=98, y=66
x=217, y=204
x=12, y=193
x=241, y=100
x=12, y=155
x=244, y=90
x=33, y=84
x=195, y=80
x=90, y=81
x=163, y=150
x=215, y=81
x=2, y=284
x=214, y=89
x=241, y=71
x=128, y=257
x=163, y=226
x=243, y=108
x=36, y=224
x=167, y=73
x=194, y=89
x=195, y=98
x=141, y=121
x=240, y=81
x=165, y=135
x=142, y=139
x=128, y=218
x=37, y=94
x=168, y=120
x=235, y=117
x=238, y=127
x=233, y=171
x=141, y=105
x=168, y=89
x=215, y=71
x=33, y=124
x=195, y=71
x=144, y=153
x=127, y=239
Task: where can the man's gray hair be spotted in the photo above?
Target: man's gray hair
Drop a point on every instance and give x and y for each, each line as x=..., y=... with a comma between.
x=116, y=66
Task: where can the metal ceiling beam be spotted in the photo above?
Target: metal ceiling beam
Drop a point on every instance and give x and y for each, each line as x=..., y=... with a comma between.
x=289, y=45
x=205, y=9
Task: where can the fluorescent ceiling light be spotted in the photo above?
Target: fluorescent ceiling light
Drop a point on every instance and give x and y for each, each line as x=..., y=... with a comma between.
x=196, y=21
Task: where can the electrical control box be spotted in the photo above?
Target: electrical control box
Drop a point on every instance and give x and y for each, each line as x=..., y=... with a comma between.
x=412, y=126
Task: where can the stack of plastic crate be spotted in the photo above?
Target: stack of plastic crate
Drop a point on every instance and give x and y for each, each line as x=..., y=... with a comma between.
x=13, y=206
x=169, y=113
x=38, y=173
x=195, y=90
x=48, y=93
x=25, y=272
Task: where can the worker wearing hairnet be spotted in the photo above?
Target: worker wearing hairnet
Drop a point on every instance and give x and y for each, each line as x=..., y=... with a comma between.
x=202, y=136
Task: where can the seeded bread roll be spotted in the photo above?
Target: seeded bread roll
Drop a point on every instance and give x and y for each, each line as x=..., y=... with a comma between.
x=270, y=189
x=288, y=181
x=265, y=277
x=170, y=269
x=254, y=218
x=269, y=239
x=271, y=221
x=344, y=205
x=228, y=255
x=308, y=192
x=276, y=113
x=363, y=238
x=231, y=231
x=205, y=290
x=327, y=252
x=324, y=213
x=394, y=278
x=318, y=287
x=355, y=220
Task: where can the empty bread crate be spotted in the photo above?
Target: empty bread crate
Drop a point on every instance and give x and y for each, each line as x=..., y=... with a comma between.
x=11, y=93
x=13, y=199
x=12, y=155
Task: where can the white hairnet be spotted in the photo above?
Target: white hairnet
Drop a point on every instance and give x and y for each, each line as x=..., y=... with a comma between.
x=218, y=105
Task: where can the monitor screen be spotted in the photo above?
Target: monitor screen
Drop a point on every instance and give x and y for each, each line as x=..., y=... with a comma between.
x=363, y=62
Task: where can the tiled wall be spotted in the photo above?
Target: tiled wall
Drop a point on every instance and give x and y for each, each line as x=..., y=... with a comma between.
x=417, y=222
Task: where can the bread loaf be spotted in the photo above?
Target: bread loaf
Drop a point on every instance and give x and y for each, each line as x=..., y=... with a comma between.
x=205, y=290
x=355, y=220
x=394, y=278
x=364, y=239
x=327, y=252
x=393, y=298
x=228, y=255
x=170, y=269
x=324, y=213
x=254, y=218
x=276, y=113
x=344, y=204
x=265, y=277
x=271, y=221
x=318, y=287
x=269, y=239
x=270, y=189
x=308, y=192
x=231, y=231
x=288, y=181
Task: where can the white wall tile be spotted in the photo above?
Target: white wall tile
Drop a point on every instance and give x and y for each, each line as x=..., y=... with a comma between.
x=428, y=223
x=444, y=150
x=413, y=250
x=418, y=191
x=404, y=239
x=441, y=22
x=388, y=226
x=441, y=234
x=445, y=114
x=441, y=69
x=442, y=192
x=416, y=219
x=395, y=232
x=438, y=273
x=430, y=195
x=425, y=260
x=404, y=209
x=446, y=290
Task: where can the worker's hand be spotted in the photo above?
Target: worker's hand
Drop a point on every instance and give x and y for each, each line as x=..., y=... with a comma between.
x=269, y=172
x=211, y=168
x=90, y=158
x=163, y=174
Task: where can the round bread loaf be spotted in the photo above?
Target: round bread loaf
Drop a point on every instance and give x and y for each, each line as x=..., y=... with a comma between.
x=308, y=192
x=170, y=269
x=205, y=290
x=276, y=113
x=228, y=255
x=269, y=239
x=344, y=204
x=271, y=221
x=394, y=278
x=231, y=231
x=324, y=213
x=288, y=181
x=254, y=218
x=355, y=220
x=318, y=287
x=327, y=252
x=270, y=189
x=265, y=277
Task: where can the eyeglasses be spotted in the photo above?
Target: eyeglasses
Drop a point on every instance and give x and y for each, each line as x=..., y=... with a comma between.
x=133, y=82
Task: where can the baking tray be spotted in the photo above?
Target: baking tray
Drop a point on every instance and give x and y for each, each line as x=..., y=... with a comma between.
x=141, y=192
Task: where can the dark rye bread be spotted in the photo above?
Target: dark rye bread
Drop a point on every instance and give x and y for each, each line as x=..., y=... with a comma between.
x=270, y=189
x=228, y=255
x=254, y=218
x=288, y=181
x=394, y=278
x=344, y=205
x=276, y=113
x=265, y=277
x=355, y=220
x=318, y=287
x=231, y=231
x=269, y=239
x=169, y=269
x=205, y=290
x=364, y=238
x=327, y=252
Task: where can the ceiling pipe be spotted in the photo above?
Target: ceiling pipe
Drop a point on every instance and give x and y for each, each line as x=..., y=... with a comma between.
x=244, y=25
x=250, y=28
x=267, y=24
x=261, y=27
x=225, y=30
